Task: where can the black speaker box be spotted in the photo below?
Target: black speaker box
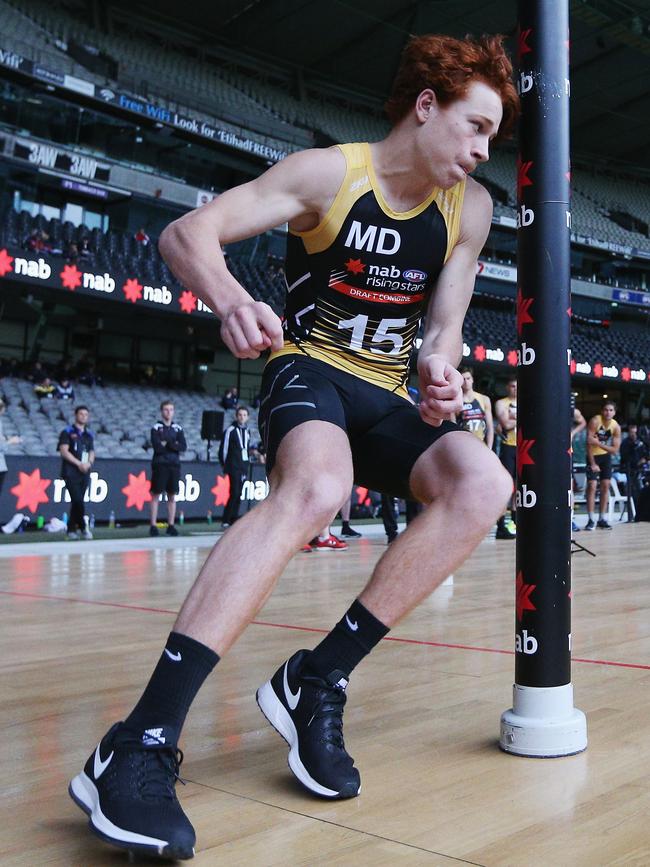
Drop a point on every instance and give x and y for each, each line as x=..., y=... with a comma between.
x=212, y=424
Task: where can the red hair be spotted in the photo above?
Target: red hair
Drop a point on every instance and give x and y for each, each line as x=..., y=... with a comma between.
x=448, y=66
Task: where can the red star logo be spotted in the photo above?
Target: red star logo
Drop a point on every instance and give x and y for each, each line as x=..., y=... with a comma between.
x=524, y=592
x=187, y=301
x=6, y=263
x=132, y=290
x=598, y=369
x=479, y=352
x=137, y=491
x=572, y=366
x=523, y=308
x=221, y=490
x=30, y=491
x=355, y=266
x=626, y=374
x=523, y=451
x=70, y=277
x=512, y=358
x=522, y=175
x=523, y=46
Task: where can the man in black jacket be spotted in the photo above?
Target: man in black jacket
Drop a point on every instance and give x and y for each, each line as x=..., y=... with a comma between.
x=168, y=441
x=77, y=449
x=235, y=460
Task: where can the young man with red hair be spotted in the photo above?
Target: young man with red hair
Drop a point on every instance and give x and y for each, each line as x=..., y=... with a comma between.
x=380, y=236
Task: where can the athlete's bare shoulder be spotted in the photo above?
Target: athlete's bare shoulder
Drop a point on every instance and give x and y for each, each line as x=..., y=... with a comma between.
x=318, y=174
x=476, y=217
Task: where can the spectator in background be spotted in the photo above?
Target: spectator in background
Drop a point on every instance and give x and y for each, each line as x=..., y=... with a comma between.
x=603, y=442
x=77, y=450
x=45, y=390
x=230, y=399
x=4, y=442
x=141, y=237
x=37, y=373
x=634, y=460
x=64, y=390
x=85, y=254
x=168, y=441
x=234, y=455
x=505, y=410
x=476, y=414
x=71, y=253
x=578, y=424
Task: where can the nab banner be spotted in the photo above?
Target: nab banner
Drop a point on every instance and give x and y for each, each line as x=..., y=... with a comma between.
x=34, y=486
x=55, y=273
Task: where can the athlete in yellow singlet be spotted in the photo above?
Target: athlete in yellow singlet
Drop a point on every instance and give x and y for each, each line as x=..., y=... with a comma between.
x=603, y=442
x=505, y=410
x=382, y=235
x=476, y=414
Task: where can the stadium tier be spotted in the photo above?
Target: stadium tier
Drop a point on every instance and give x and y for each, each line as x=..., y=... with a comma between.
x=121, y=418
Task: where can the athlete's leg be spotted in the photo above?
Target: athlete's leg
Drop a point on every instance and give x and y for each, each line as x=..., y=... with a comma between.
x=604, y=498
x=591, y=497
x=464, y=485
x=155, y=500
x=171, y=509
x=311, y=478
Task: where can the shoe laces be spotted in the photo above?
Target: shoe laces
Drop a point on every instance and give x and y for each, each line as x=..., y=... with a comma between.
x=330, y=701
x=157, y=768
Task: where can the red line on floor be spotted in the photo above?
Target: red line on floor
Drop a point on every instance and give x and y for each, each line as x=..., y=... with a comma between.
x=318, y=629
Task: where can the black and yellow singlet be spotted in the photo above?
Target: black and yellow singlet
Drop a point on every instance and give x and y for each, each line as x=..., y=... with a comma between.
x=359, y=282
x=605, y=432
x=472, y=418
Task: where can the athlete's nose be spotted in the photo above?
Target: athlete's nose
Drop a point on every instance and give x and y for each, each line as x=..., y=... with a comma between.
x=481, y=149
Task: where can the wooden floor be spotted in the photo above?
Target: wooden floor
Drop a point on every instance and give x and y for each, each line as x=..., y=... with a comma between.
x=83, y=626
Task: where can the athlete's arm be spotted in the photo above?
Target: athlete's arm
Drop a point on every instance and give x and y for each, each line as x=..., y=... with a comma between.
x=581, y=424
x=442, y=344
x=592, y=440
x=299, y=189
x=66, y=454
x=616, y=441
x=489, y=422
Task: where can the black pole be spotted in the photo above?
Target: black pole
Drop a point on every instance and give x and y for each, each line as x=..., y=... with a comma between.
x=543, y=579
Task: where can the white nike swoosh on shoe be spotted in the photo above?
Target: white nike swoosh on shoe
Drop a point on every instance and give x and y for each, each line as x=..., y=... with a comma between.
x=175, y=657
x=292, y=700
x=353, y=626
x=100, y=766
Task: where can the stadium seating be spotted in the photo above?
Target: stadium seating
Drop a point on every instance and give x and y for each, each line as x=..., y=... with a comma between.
x=225, y=90
x=121, y=418
x=120, y=251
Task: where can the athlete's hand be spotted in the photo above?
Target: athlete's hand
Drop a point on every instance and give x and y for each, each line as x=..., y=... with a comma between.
x=250, y=328
x=441, y=392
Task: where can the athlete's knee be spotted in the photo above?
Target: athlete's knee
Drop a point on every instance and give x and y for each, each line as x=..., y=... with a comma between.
x=488, y=487
x=314, y=500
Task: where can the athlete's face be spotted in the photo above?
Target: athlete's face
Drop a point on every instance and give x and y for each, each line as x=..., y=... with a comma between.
x=512, y=389
x=608, y=412
x=81, y=417
x=242, y=416
x=167, y=412
x=468, y=383
x=456, y=137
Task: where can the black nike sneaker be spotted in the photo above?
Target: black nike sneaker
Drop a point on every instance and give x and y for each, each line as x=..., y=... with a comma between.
x=127, y=788
x=308, y=712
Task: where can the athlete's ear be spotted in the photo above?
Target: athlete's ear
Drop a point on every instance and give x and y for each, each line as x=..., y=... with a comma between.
x=425, y=104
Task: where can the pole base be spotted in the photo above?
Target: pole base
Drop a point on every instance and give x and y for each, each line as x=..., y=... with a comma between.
x=543, y=723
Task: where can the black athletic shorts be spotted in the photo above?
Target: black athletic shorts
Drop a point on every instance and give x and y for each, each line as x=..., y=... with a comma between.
x=508, y=457
x=385, y=431
x=604, y=468
x=165, y=478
